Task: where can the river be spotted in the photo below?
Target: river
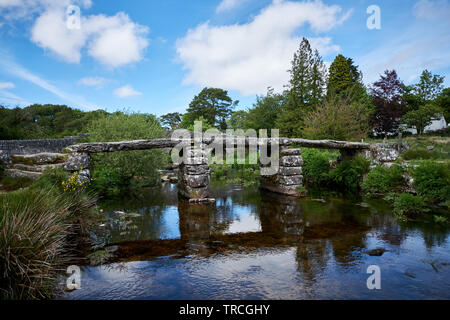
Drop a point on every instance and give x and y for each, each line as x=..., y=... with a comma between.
x=256, y=245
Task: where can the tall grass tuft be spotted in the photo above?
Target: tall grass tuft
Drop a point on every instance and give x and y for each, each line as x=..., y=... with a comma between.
x=37, y=227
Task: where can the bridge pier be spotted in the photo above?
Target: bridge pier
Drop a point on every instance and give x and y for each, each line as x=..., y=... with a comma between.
x=289, y=178
x=194, y=176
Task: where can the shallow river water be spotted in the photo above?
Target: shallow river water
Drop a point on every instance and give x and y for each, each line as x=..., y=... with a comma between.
x=256, y=245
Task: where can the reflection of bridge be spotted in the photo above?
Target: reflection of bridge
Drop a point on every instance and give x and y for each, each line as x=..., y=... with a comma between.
x=194, y=169
x=284, y=223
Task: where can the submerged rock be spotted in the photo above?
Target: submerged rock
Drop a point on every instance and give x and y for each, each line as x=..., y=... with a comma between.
x=376, y=252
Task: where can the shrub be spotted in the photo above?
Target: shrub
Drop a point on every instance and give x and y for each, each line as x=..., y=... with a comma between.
x=349, y=173
x=408, y=205
x=432, y=181
x=129, y=164
x=106, y=181
x=382, y=179
x=316, y=165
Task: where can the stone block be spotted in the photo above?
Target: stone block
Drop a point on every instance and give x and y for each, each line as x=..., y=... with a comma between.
x=290, y=171
x=291, y=161
x=291, y=180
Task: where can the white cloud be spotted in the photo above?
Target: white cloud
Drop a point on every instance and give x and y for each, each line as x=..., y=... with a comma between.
x=227, y=5
x=126, y=91
x=17, y=70
x=111, y=40
x=93, y=82
x=250, y=57
x=6, y=85
x=432, y=10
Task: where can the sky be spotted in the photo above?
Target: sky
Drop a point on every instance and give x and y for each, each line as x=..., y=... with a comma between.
x=154, y=56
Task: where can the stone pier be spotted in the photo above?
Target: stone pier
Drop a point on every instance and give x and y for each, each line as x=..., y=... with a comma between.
x=194, y=176
x=289, y=177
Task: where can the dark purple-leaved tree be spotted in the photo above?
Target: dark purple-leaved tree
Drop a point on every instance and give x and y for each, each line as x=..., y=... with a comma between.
x=387, y=95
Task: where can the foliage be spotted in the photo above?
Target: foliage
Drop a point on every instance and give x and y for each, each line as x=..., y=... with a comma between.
x=171, y=120
x=432, y=181
x=44, y=121
x=349, y=173
x=340, y=117
x=106, y=181
x=382, y=179
x=265, y=111
x=443, y=102
x=75, y=183
x=247, y=174
x=305, y=89
x=342, y=75
x=11, y=184
x=422, y=117
x=387, y=95
x=316, y=165
x=36, y=224
x=429, y=86
x=205, y=124
x=213, y=104
x=130, y=164
x=408, y=205
x=237, y=120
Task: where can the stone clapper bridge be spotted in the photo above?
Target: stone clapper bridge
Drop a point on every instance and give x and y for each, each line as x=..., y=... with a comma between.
x=194, y=171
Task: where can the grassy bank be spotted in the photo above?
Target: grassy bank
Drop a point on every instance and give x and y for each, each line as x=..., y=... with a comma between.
x=39, y=227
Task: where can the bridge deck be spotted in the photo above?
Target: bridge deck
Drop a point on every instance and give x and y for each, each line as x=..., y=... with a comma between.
x=97, y=147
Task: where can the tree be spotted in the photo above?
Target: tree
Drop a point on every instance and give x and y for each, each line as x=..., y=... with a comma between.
x=429, y=86
x=305, y=89
x=422, y=117
x=387, y=94
x=339, y=117
x=443, y=101
x=342, y=75
x=237, y=120
x=423, y=101
x=213, y=104
x=265, y=111
x=171, y=120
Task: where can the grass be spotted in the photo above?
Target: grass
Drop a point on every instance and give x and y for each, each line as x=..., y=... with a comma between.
x=12, y=184
x=38, y=225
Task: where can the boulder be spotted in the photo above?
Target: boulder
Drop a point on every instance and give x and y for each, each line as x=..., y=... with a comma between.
x=5, y=157
x=77, y=161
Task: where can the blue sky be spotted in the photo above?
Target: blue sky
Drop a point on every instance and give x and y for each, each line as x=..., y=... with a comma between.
x=154, y=56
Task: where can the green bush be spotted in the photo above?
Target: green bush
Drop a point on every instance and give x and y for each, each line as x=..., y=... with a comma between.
x=316, y=165
x=382, y=179
x=128, y=165
x=106, y=181
x=349, y=173
x=408, y=205
x=432, y=181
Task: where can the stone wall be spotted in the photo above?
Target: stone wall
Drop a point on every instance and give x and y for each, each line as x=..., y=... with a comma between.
x=37, y=145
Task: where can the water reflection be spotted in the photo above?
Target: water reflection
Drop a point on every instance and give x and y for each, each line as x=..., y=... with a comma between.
x=256, y=245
